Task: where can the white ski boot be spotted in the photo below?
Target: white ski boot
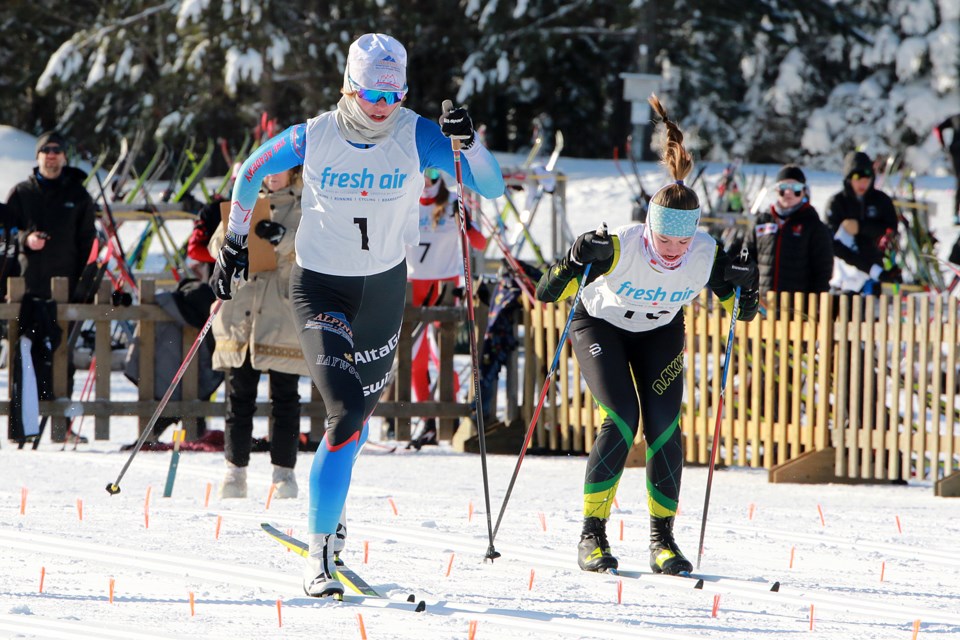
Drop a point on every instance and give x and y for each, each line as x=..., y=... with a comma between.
x=319, y=575
x=285, y=482
x=234, y=483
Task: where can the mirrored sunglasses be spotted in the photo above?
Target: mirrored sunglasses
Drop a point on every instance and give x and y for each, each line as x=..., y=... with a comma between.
x=374, y=95
x=51, y=149
x=432, y=174
x=790, y=187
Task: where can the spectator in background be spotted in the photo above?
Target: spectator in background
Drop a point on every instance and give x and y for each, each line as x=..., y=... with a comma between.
x=55, y=218
x=433, y=264
x=952, y=125
x=9, y=261
x=792, y=246
x=864, y=225
x=256, y=333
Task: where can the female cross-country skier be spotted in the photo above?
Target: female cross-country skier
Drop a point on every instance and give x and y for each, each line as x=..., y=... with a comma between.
x=627, y=334
x=363, y=167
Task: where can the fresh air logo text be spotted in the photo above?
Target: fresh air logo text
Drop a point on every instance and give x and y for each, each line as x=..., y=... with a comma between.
x=362, y=180
x=627, y=290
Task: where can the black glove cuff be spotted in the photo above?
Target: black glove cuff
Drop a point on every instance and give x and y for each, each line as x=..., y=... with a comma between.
x=236, y=239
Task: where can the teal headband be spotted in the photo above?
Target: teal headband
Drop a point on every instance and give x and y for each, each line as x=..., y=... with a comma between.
x=677, y=223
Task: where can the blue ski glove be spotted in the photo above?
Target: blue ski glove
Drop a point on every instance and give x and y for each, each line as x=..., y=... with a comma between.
x=232, y=264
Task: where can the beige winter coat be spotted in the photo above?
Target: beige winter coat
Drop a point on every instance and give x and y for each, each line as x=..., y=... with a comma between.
x=260, y=316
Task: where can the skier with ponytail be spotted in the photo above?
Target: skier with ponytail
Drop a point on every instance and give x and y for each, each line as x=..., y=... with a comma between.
x=628, y=334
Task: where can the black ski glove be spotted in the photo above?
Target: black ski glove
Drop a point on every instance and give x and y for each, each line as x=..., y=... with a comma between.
x=592, y=246
x=743, y=273
x=232, y=263
x=270, y=231
x=892, y=275
x=456, y=123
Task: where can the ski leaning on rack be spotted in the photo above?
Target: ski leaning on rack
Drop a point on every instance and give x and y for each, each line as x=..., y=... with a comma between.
x=347, y=576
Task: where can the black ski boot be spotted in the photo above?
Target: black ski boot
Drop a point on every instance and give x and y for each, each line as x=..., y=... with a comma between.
x=593, y=552
x=665, y=556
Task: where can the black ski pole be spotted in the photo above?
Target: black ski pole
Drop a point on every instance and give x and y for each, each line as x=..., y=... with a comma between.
x=492, y=553
x=715, y=446
x=114, y=487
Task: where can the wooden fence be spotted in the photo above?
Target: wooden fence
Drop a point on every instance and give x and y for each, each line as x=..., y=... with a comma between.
x=822, y=388
x=147, y=313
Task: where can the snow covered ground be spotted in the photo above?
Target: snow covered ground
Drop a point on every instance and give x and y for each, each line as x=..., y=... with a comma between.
x=881, y=558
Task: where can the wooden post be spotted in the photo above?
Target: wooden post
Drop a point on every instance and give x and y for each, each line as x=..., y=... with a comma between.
x=447, y=344
x=104, y=354
x=61, y=359
x=147, y=338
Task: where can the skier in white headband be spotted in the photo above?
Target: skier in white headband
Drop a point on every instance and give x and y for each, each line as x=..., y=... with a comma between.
x=627, y=334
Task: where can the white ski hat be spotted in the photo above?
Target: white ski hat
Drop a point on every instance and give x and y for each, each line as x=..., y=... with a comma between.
x=378, y=61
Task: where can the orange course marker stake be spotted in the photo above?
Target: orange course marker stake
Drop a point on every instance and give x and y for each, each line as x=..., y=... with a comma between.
x=450, y=564
x=43, y=574
x=273, y=487
x=289, y=533
x=279, y=614
x=80, y=509
x=753, y=508
x=811, y=617
x=470, y=511
x=916, y=629
x=615, y=503
x=472, y=630
x=543, y=520
x=393, y=505
x=883, y=568
x=363, y=630
x=112, y=582
x=619, y=591
x=366, y=551
x=716, y=605
x=191, y=604
x=530, y=586
x=23, y=501
x=206, y=498
x=621, y=531
x=216, y=534
x=823, y=522
x=899, y=528
x=793, y=550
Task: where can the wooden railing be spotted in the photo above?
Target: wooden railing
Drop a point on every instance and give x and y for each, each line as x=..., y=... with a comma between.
x=147, y=313
x=820, y=388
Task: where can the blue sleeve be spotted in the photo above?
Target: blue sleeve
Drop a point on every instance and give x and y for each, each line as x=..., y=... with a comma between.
x=481, y=171
x=279, y=153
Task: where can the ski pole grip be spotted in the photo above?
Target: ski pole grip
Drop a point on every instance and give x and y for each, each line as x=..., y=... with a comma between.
x=447, y=106
x=602, y=229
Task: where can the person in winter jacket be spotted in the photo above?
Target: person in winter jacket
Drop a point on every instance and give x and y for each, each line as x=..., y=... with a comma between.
x=627, y=333
x=363, y=165
x=55, y=218
x=256, y=333
x=863, y=221
x=10, y=249
x=792, y=246
x=431, y=265
x=951, y=127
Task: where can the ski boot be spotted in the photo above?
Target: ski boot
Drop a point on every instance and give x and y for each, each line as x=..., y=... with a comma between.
x=234, y=484
x=665, y=556
x=593, y=552
x=319, y=575
x=285, y=482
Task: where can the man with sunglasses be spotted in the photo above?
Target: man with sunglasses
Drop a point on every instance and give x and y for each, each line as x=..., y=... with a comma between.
x=55, y=216
x=363, y=166
x=792, y=246
x=864, y=223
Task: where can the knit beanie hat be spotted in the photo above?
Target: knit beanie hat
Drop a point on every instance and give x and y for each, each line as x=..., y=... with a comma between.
x=377, y=61
x=791, y=172
x=51, y=137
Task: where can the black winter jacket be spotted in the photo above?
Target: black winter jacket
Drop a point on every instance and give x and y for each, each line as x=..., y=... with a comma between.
x=793, y=254
x=63, y=209
x=876, y=215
